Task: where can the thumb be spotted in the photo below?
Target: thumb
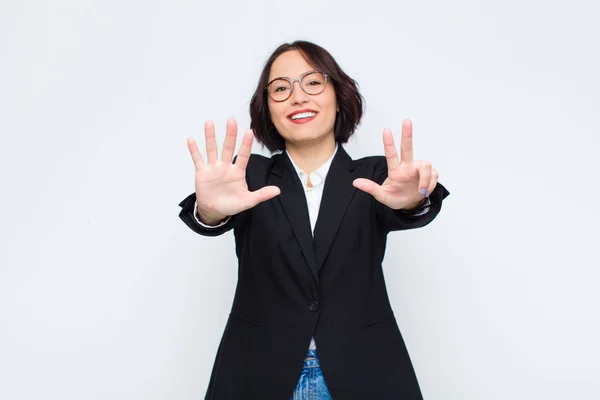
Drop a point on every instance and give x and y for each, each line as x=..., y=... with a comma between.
x=368, y=186
x=263, y=194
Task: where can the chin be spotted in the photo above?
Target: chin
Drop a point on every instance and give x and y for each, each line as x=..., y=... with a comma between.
x=304, y=133
x=306, y=138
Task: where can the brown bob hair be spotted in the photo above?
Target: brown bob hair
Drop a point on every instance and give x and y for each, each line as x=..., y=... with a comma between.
x=349, y=99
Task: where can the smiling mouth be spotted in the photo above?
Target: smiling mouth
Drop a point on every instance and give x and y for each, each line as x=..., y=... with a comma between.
x=303, y=117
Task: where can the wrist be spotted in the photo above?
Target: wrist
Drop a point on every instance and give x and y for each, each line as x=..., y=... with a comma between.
x=210, y=220
x=207, y=217
x=415, y=206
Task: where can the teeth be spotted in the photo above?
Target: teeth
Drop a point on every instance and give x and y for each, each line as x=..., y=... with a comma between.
x=303, y=115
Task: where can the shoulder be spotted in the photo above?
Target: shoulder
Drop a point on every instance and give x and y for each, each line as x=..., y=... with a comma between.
x=369, y=162
x=259, y=168
x=371, y=167
x=258, y=161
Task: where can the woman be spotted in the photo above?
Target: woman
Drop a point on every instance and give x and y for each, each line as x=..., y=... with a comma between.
x=310, y=226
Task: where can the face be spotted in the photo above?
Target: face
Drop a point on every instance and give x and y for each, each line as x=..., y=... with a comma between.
x=317, y=112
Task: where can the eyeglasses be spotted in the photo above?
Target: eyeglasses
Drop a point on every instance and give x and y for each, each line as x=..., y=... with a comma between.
x=312, y=82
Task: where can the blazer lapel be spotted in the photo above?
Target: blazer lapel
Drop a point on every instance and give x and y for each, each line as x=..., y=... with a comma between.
x=337, y=194
x=293, y=200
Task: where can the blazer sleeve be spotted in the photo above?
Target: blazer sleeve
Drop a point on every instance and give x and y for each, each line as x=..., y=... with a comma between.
x=187, y=216
x=395, y=220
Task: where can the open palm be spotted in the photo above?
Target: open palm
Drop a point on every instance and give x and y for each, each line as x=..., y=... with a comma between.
x=221, y=188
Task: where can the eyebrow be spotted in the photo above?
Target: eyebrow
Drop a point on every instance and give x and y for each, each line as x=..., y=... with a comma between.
x=287, y=77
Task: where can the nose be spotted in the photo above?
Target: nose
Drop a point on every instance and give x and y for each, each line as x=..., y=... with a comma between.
x=298, y=95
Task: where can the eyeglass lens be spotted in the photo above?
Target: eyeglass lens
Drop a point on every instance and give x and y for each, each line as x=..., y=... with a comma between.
x=313, y=83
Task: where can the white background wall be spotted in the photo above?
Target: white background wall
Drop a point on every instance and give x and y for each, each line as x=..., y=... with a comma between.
x=106, y=294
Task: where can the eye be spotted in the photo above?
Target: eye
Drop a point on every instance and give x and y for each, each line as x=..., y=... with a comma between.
x=314, y=83
x=279, y=89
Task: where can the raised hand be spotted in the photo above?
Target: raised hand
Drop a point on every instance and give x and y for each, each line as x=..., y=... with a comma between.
x=408, y=181
x=221, y=188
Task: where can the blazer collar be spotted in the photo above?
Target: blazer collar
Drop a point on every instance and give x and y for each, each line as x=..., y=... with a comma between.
x=337, y=193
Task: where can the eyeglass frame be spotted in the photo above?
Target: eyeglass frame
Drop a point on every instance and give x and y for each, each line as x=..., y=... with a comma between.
x=299, y=80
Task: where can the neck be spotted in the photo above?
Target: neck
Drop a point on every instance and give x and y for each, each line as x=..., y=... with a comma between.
x=309, y=156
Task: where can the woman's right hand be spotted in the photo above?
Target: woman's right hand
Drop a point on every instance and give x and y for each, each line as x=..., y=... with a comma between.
x=221, y=188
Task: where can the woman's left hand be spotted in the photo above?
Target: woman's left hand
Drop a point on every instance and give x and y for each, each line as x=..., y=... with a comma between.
x=408, y=181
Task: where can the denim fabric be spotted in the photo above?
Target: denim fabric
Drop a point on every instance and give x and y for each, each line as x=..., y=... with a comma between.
x=311, y=385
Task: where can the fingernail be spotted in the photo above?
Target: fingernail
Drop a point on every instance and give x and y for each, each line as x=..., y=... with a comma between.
x=423, y=191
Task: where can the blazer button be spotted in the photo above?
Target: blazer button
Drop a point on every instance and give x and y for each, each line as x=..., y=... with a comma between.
x=314, y=306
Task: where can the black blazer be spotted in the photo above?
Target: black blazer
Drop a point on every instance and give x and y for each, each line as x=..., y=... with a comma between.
x=291, y=287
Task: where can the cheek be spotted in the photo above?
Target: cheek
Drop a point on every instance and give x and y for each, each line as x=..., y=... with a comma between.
x=275, y=112
x=331, y=106
x=331, y=102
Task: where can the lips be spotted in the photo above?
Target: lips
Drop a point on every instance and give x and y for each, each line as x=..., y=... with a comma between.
x=302, y=116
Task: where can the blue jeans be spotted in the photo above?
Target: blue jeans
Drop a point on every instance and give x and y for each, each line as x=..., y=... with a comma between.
x=311, y=385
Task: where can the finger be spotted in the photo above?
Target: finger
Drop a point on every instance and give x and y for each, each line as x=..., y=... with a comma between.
x=368, y=186
x=244, y=153
x=263, y=194
x=391, y=155
x=406, y=145
x=434, y=180
x=424, y=169
x=195, y=153
x=211, y=142
x=230, y=138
